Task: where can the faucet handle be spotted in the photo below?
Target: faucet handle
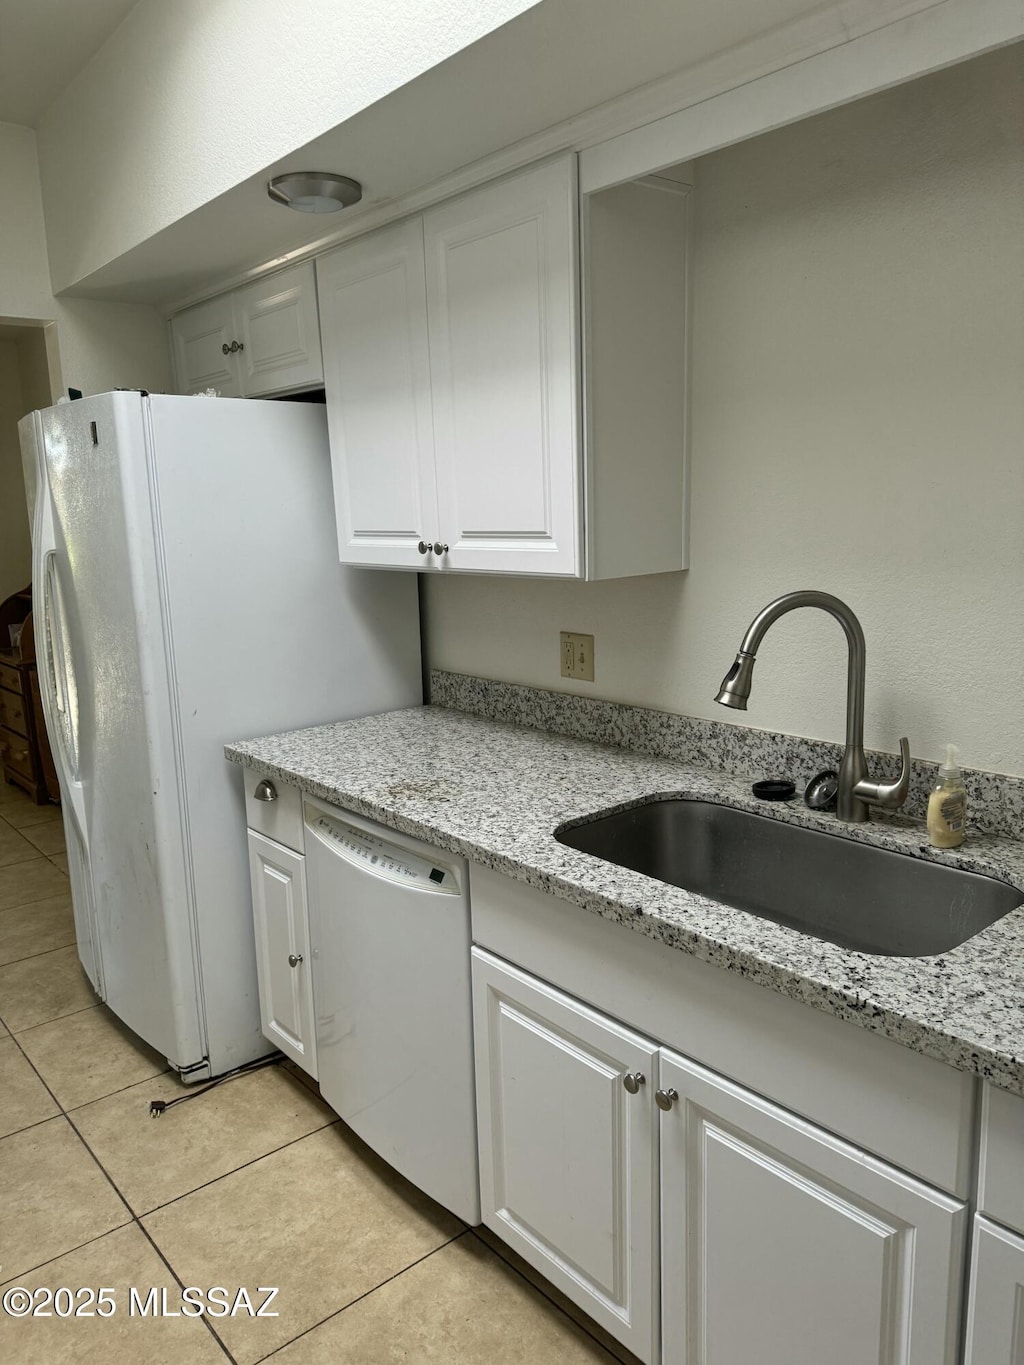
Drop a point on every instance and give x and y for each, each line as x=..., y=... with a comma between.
x=890, y=794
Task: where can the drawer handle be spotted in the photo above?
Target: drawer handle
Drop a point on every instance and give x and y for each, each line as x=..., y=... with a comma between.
x=440, y=549
x=423, y=547
x=294, y=959
x=665, y=1099
x=265, y=791
x=633, y=1080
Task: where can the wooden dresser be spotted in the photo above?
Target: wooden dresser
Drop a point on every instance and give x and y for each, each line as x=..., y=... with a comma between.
x=24, y=748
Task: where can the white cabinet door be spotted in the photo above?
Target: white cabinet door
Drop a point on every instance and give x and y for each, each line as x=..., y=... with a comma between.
x=784, y=1245
x=567, y=1154
x=277, y=329
x=995, y=1311
x=502, y=299
x=377, y=378
x=282, y=949
x=199, y=337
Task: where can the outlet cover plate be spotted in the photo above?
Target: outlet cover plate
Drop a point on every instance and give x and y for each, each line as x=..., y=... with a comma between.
x=577, y=655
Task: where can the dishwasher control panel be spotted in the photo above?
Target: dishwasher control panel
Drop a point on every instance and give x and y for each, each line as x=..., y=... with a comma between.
x=380, y=857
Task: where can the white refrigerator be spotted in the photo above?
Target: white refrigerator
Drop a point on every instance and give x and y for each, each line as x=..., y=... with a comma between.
x=187, y=591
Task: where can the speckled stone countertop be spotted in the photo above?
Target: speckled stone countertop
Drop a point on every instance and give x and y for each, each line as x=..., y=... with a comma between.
x=496, y=792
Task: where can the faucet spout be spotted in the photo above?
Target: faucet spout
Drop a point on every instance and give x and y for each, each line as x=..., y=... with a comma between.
x=855, y=790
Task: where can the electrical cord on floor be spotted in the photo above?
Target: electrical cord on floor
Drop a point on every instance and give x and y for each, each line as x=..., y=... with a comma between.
x=158, y=1107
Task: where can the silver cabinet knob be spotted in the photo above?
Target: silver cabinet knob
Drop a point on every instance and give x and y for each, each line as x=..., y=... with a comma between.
x=226, y=349
x=265, y=791
x=237, y=346
x=423, y=548
x=633, y=1080
x=294, y=959
x=440, y=549
x=665, y=1099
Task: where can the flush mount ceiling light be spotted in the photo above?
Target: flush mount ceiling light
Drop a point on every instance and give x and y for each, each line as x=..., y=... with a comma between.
x=314, y=191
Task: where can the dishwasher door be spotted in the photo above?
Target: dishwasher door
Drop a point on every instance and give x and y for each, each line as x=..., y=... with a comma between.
x=390, y=941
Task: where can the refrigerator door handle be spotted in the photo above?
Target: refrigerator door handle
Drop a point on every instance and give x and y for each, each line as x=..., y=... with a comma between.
x=59, y=690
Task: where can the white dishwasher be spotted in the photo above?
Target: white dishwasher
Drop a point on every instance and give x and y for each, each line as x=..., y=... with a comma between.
x=390, y=942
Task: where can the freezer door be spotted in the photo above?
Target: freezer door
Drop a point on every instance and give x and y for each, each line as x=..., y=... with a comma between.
x=58, y=693
x=108, y=713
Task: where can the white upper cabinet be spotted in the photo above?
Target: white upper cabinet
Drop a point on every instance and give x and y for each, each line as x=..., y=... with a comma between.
x=455, y=382
x=201, y=339
x=373, y=313
x=261, y=339
x=502, y=309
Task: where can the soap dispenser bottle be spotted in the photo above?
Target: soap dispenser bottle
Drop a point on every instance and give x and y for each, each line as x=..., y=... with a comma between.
x=947, y=805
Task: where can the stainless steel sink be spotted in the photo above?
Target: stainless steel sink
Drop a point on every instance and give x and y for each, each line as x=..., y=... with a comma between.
x=849, y=893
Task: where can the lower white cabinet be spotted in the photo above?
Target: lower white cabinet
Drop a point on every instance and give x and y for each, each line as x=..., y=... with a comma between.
x=282, y=949
x=568, y=1154
x=784, y=1245
x=995, y=1312
x=779, y=1243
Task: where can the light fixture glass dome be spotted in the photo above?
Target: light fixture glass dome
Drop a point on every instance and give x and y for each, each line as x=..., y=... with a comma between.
x=314, y=191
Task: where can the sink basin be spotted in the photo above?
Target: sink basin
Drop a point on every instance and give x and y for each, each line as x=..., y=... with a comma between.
x=852, y=894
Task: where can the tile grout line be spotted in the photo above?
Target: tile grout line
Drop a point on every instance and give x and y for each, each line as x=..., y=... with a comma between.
x=63, y=1114
x=13, y=962
x=181, y=1285
x=365, y=1295
x=133, y=1218
x=120, y=1089
x=49, y=896
x=70, y=1014
x=71, y=1250
x=207, y=1183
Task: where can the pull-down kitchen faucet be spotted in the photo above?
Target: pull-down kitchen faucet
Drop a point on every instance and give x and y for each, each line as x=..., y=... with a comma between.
x=855, y=792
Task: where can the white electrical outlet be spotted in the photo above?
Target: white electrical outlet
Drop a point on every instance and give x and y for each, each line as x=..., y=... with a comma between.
x=577, y=655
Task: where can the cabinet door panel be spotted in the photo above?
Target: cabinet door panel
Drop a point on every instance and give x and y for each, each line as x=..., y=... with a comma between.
x=282, y=931
x=199, y=336
x=503, y=308
x=567, y=1160
x=995, y=1313
x=277, y=324
x=781, y=1243
x=377, y=378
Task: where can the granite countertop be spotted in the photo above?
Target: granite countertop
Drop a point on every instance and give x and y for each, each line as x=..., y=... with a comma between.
x=495, y=792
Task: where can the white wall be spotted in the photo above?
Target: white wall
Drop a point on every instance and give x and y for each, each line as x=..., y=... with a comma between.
x=187, y=99
x=858, y=409
x=24, y=273
x=15, y=544
x=102, y=345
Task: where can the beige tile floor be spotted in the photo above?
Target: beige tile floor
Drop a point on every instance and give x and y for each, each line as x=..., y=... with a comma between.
x=256, y=1183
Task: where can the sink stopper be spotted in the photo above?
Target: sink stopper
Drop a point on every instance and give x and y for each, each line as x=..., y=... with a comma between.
x=772, y=789
x=821, y=792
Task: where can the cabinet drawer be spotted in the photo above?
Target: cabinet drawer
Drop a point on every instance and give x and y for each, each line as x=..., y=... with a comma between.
x=12, y=712
x=10, y=678
x=279, y=819
x=1001, y=1157
x=16, y=754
